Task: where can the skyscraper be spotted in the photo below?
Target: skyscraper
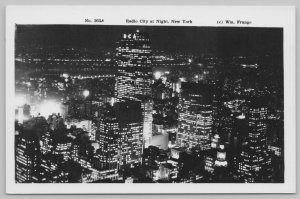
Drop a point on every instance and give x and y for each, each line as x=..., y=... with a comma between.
x=195, y=116
x=108, y=140
x=254, y=163
x=147, y=107
x=27, y=157
x=130, y=133
x=120, y=136
x=134, y=65
x=134, y=76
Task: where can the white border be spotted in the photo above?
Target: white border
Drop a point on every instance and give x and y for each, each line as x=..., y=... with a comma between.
x=261, y=16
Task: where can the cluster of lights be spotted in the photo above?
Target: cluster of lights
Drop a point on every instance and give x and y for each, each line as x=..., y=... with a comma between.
x=49, y=107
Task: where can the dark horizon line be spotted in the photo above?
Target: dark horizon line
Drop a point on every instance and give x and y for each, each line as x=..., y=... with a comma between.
x=218, y=40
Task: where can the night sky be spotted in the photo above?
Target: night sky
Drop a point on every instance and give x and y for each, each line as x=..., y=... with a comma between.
x=224, y=41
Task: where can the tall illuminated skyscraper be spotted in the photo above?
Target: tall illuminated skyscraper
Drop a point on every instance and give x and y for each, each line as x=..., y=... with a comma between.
x=130, y=132
x=147, y=107
x=134, y=76
x=134, y=65
x=108, y=140
x=254, y=162
x=27, y=151
x=195, y=116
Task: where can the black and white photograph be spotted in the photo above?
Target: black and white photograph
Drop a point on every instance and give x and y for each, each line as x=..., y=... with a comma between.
x=148, y=104
x=141, y=104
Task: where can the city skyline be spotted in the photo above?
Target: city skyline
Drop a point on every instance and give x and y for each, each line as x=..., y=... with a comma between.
x=222, y=41
x=158, y=105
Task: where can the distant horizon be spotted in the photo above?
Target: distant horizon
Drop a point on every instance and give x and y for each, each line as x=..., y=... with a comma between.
x=222, y=41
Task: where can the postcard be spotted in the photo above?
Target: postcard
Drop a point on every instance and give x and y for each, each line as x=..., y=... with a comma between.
x=150, y=99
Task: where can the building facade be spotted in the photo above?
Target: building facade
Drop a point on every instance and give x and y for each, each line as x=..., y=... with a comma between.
x=255, y=161
x=195, y=116
x=133, y=54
